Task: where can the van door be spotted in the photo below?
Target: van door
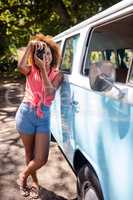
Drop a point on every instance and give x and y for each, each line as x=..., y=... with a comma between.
x=62, y=108
x=106, y=115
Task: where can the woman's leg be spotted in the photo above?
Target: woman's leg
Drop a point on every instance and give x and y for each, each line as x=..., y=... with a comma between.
x=29, y=145
x=30, y=156
x=40, y=154
x=24, y=113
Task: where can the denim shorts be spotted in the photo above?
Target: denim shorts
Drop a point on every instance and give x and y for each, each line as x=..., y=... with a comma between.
x=27, y=121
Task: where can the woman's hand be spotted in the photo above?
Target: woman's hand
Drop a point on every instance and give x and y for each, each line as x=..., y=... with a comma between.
x=38, y=61
x=41, y=64
x=34, y=44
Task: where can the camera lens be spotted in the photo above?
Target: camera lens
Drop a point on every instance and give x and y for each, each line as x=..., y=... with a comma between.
x=40, y=52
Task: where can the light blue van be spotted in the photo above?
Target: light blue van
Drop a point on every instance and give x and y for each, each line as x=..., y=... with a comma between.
x=92, y=115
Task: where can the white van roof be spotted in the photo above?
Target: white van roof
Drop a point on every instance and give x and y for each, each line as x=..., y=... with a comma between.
x=115, y=8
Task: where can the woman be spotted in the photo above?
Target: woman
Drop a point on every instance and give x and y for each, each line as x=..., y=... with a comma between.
x=33, y=115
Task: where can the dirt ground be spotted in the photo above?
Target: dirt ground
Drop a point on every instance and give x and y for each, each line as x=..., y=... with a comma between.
x=56, y=178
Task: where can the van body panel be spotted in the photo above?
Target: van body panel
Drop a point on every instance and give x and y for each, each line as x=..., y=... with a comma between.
x=83, y=112
x=107, y=125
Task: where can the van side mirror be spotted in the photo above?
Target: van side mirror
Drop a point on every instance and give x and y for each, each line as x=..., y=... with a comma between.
x=102, y=83
x=102, y=76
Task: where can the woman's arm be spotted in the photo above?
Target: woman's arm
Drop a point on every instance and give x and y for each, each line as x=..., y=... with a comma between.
x=51, y=87
x=23, y=65
x=48, y=86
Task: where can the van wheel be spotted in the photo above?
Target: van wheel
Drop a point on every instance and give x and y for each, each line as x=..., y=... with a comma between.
x=88, y=186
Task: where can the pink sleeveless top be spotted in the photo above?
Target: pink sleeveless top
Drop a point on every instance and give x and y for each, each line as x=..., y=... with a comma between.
x=34, y=91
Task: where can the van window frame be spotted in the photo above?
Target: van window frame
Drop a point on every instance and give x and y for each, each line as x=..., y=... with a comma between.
x=129, y=82
x=59, y=42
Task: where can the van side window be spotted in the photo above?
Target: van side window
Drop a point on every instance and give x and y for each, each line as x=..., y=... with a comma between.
x=111, y=42
x=69, y=52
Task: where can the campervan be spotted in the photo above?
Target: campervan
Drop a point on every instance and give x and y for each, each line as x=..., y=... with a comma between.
x=92, y=114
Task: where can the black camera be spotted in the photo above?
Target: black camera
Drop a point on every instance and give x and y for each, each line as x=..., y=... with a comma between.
x=40, y=52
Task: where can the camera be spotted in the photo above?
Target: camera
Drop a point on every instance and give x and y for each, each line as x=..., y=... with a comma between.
x=40, y=52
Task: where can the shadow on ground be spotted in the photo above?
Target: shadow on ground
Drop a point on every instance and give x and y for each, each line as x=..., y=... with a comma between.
x=47, y=194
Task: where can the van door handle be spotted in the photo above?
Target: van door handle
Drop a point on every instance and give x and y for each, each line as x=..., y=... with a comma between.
x=75, y=103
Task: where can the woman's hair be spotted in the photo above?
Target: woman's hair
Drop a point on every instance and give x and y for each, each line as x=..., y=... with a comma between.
x=54, y=47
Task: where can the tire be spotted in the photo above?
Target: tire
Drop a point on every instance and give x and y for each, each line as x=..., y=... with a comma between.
x=88, y=186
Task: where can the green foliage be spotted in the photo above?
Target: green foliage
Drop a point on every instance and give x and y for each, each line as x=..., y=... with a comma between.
x=19, y=19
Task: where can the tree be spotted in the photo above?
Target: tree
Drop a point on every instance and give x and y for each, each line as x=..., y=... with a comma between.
x=19, y=19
